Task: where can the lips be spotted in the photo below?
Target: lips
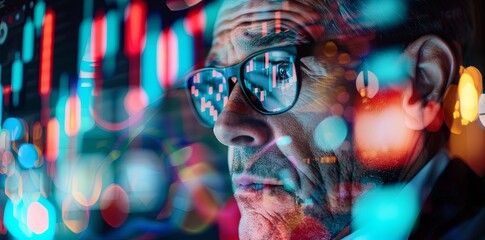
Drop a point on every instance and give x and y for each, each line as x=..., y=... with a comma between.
x=252, y=190
x=249, y=183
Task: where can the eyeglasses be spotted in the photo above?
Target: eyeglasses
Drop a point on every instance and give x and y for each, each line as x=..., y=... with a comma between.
x=270, y=80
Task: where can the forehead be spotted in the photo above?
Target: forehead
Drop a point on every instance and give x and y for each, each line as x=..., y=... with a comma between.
x=244, y=27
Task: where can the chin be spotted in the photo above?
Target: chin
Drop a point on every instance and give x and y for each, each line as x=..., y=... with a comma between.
x=253, y=226
x=271, y=213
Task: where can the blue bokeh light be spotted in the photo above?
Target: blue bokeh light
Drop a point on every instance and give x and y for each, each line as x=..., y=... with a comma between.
x=28, y=155
x=395, y=207
x=15, y=220
x=383, y=13
x=14, y=127
x=390, y=67
x=330, y=133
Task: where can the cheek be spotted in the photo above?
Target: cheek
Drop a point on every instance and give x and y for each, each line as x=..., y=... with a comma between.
x=326, y=111
x=328, y=95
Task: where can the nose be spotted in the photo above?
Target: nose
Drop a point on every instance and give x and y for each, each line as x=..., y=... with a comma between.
x=239, y=124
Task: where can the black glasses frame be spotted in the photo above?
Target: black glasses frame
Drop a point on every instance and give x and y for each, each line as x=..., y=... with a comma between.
x=237, y=71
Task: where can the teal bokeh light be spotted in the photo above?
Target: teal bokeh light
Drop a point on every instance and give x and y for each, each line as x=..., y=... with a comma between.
x=28, y=155
x=113, y=33
x=14, y=127
x=85, y=93
x=84, y=37
x=61, y=115
x=390, y=67
x=283, y=141
x=383, y=13
x=149, y=79
x=28, y=41
x=39, y=11
x=185, y=49
x=385, y=213
x=17, y=78
x=15, y=220
x=211, y=10
x=330, y=133
x=113, y=42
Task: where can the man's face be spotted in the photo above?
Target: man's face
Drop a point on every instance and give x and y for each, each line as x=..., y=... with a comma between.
x=297, y=173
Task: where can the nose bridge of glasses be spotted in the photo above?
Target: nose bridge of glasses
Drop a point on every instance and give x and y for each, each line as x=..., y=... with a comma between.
x=232, y=75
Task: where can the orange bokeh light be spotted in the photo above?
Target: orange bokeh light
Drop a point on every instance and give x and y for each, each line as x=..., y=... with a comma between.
x=382, y=139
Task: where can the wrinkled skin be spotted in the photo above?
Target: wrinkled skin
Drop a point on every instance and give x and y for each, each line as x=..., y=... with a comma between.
x=318, y=205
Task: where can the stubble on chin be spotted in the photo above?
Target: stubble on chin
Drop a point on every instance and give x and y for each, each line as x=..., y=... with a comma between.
x=267, y=214
x=272, y=215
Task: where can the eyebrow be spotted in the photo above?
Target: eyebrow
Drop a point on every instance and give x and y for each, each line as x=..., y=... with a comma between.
x=290, y=36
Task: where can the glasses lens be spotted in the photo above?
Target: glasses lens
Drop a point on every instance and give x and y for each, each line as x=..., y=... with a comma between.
x=209, y=92
x=270, y=81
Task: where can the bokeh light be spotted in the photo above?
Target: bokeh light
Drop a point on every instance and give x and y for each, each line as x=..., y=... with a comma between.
x=451, y=109
x=15, y=128
x=14, y=187
x=46, y=52
x=4, y=140
x=195, y=22
x=475, y=75
x=72, y=116
x=206, y=208
x=367, y=84
x=17, y=78
x=3, y=229
x=28, y=41
x=28, y=155
x=382, y=13
x=88, y=176
x=135, y=28
x=149, y=80
x=330, y=49
x=382, y=139
x=177, y=5
x=39, y=12
x=7, y=164
x=180, y=156
x=481, y=110
x=111, y=142
x=37, y=218
x=115, y=205
x=135, y=101
x=144, y=179
x=468, y=98
x=283, y=141
x=52, y=140
x=167, y=57
x=30, y=220
x=385, y=213
x=74, y=215
x=461, y=104
x=112, y=32
x=330, y=133
x=389, y=66
x=98, y=37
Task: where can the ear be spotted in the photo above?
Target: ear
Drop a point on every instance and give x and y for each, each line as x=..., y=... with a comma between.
x=432, y=68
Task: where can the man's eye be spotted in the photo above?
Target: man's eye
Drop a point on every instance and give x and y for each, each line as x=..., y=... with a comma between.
x=283, y=72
